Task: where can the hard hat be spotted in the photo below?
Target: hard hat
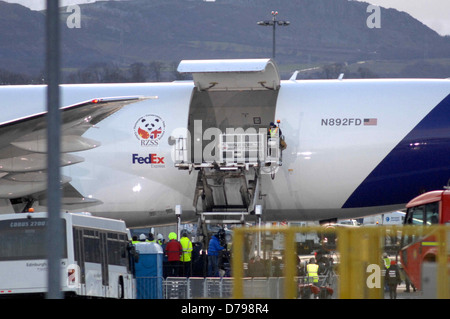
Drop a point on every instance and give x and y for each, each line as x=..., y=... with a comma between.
x=160, y=236
x=172, y=236
x=142, y=237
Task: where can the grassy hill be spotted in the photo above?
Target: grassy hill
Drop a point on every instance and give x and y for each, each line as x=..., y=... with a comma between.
x=118, y=34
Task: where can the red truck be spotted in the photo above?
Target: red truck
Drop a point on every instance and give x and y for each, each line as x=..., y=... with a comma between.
x=431, y=208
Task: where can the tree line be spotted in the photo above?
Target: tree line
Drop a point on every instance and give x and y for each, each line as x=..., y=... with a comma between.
x=155, y=71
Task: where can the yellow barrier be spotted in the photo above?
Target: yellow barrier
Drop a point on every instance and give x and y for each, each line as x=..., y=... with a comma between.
x=360, y=251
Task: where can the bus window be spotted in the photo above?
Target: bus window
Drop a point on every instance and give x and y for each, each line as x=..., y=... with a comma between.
x=432, y=213
x=91, y=246
x=117, y=249
x=23, y=239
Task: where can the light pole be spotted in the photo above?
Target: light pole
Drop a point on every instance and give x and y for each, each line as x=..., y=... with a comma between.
x=274, y=22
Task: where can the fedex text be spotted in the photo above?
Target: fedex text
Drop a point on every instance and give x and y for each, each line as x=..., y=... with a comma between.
x=151, y=159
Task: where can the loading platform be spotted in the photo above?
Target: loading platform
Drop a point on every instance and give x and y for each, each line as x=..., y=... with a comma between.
x=227, y=141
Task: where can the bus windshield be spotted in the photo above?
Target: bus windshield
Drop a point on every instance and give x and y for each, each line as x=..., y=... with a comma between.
x=24, y=239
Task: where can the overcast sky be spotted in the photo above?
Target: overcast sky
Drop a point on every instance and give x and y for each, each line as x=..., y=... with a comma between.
x=433, y=13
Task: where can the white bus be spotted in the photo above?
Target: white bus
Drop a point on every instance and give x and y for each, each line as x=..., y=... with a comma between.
x=97, y=259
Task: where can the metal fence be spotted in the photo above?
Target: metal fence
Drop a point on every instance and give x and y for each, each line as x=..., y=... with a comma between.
x=255, y=288
x=197, y=287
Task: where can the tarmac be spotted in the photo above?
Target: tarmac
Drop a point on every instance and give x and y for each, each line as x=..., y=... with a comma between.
x=401, y=294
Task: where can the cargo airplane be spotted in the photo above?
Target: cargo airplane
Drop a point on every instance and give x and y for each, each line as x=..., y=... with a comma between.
x=354, y=147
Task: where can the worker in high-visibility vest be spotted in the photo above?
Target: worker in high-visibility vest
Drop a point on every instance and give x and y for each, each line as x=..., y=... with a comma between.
x=185, y=257
x=385, y=270
x=151, y=238
x=274, y=130
x=135, y=240
x=312, y=270
x=386, y=260
x=275, y=134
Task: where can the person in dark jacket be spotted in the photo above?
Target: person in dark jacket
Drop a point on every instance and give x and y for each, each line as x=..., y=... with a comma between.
x=393, y=279
x=213, y=256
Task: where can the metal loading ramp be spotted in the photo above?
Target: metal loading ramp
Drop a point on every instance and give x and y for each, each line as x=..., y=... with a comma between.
x=227, y=140
x=228, y=189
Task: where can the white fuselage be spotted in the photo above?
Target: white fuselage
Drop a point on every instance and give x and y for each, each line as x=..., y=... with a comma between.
x=330, y=151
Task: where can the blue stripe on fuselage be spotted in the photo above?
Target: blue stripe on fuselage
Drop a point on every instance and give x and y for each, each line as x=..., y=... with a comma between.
x=420, y=162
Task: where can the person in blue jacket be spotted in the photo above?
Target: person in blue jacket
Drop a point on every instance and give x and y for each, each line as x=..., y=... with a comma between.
x=214, y=249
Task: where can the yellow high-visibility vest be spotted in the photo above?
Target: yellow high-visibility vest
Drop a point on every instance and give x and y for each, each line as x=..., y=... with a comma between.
x=187, y=249
x=387, y=262
x=274, y=132
x=312, y=270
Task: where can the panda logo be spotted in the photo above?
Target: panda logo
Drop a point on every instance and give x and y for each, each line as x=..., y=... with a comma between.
x=149, y=129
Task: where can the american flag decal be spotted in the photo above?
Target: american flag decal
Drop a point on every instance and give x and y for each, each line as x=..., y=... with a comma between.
x=370, y=121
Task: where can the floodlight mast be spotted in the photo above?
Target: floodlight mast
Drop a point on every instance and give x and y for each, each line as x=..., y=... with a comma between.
x=274, y=22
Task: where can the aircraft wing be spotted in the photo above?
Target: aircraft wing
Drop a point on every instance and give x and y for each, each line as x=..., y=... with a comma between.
x=23, y=149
